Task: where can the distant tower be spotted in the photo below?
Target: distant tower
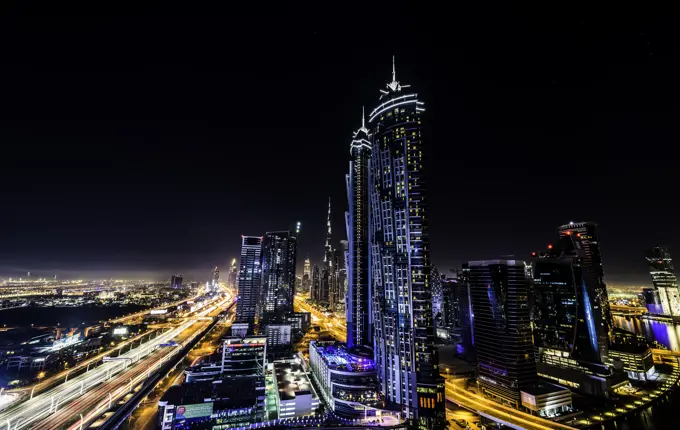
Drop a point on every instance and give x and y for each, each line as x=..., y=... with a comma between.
x=232, y=279
x=328, y=272
x=307, y=275
x=249, y=280
x=664, y=280
x=176, y=281
x=215, y=279
x=316, y=284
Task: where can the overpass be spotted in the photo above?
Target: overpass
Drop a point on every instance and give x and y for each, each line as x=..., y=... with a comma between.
x=496, y=412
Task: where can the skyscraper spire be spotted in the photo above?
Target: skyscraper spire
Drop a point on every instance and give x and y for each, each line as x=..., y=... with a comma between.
x=394, y=71
x=328, y=220
x=363, y=117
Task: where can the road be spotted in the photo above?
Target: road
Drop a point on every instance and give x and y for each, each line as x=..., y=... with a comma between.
x=144, y=417
x=63, y=376
x=456, y=393
x=83, y=394
x=333, y=324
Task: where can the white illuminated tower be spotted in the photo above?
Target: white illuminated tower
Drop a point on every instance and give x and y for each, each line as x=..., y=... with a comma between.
x=407, y=361
x=358, y=308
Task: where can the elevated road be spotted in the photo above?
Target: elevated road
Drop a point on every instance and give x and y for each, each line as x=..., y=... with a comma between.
x=505, y=415
x=76, y=395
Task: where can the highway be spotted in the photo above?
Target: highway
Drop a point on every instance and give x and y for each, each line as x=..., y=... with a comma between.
x=92, y=393
x=336, y=326
x=456, y=393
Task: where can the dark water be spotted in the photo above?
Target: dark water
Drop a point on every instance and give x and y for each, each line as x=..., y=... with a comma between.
x=64, y=316
x=664, y=414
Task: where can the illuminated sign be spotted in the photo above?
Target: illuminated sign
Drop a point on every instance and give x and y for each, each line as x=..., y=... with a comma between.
x=120, y=331
x=158, y=311
x=196, y=410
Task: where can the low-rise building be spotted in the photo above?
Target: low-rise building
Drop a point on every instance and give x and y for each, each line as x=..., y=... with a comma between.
x=295, y=395
x=546, y=400
x=347, y=379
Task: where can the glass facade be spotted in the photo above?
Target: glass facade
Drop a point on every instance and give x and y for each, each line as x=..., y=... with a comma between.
x=407, y=360
x=249, y=280
x=664, y=280
x=499, y=290
x=279, y=252
x=584, y=235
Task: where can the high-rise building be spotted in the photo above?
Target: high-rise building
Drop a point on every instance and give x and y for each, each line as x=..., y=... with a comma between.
x=306, y=282
x=249, y=280
x=566, y=325
x=502, y=325
x=279, y=253
x=326, y=285
x=315, y=291
x=232, y=280
x=215, y=279
x=358, y=312
x=404, y=334
x=176, y=281
x=664, y=280
x=585, y=234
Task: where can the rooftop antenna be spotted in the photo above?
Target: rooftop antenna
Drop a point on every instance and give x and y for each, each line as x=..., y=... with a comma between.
x=394, y=71
x=363, y=117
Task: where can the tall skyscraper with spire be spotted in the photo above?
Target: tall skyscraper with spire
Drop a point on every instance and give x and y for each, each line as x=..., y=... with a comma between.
x=327, y=274
x=407, y=361
x=358, y=311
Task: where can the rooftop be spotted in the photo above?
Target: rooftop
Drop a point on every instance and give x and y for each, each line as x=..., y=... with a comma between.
x=337, y=356
x=292, y=380
x=543, y=388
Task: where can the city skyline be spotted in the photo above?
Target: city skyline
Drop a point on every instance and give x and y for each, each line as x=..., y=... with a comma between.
x=152, y=169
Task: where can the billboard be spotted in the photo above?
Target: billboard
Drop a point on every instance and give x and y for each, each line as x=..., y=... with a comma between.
x=196, y=410
x=120, y=331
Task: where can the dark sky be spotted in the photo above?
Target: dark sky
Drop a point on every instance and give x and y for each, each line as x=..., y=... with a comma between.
x=146, y=141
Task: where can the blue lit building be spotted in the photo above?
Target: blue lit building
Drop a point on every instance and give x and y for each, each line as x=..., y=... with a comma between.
x=249, y=281
x=570, y=331
x=404, y=333
x=348, y=380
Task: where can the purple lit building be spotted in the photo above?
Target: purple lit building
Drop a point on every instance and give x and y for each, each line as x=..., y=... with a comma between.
x=348, y=379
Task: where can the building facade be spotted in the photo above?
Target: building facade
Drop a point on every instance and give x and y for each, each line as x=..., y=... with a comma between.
x=664, y=280
x=249, y=280
x=358, y=311
x=279, y=255
x=502, y=328
x=404, y=334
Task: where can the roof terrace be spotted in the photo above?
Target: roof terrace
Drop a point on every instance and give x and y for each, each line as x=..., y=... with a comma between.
x=337, y=356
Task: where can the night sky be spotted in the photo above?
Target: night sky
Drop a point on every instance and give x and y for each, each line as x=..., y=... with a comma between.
x=142, y=142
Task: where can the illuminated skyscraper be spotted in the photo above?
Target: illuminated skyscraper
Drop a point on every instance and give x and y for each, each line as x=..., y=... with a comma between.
x=408, y=363
x=505, y=352
x=215, y=279
x=585, y=236
x=664, y=279
x=316, y=283
x=279, y=252
x=328, y=271
x=567, y=326
x=232, y=280
x=176, y=281
x=307, y=275
x=249, y=280
x=359, y=313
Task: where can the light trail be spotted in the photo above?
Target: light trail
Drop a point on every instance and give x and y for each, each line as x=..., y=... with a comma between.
x=49, y=402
